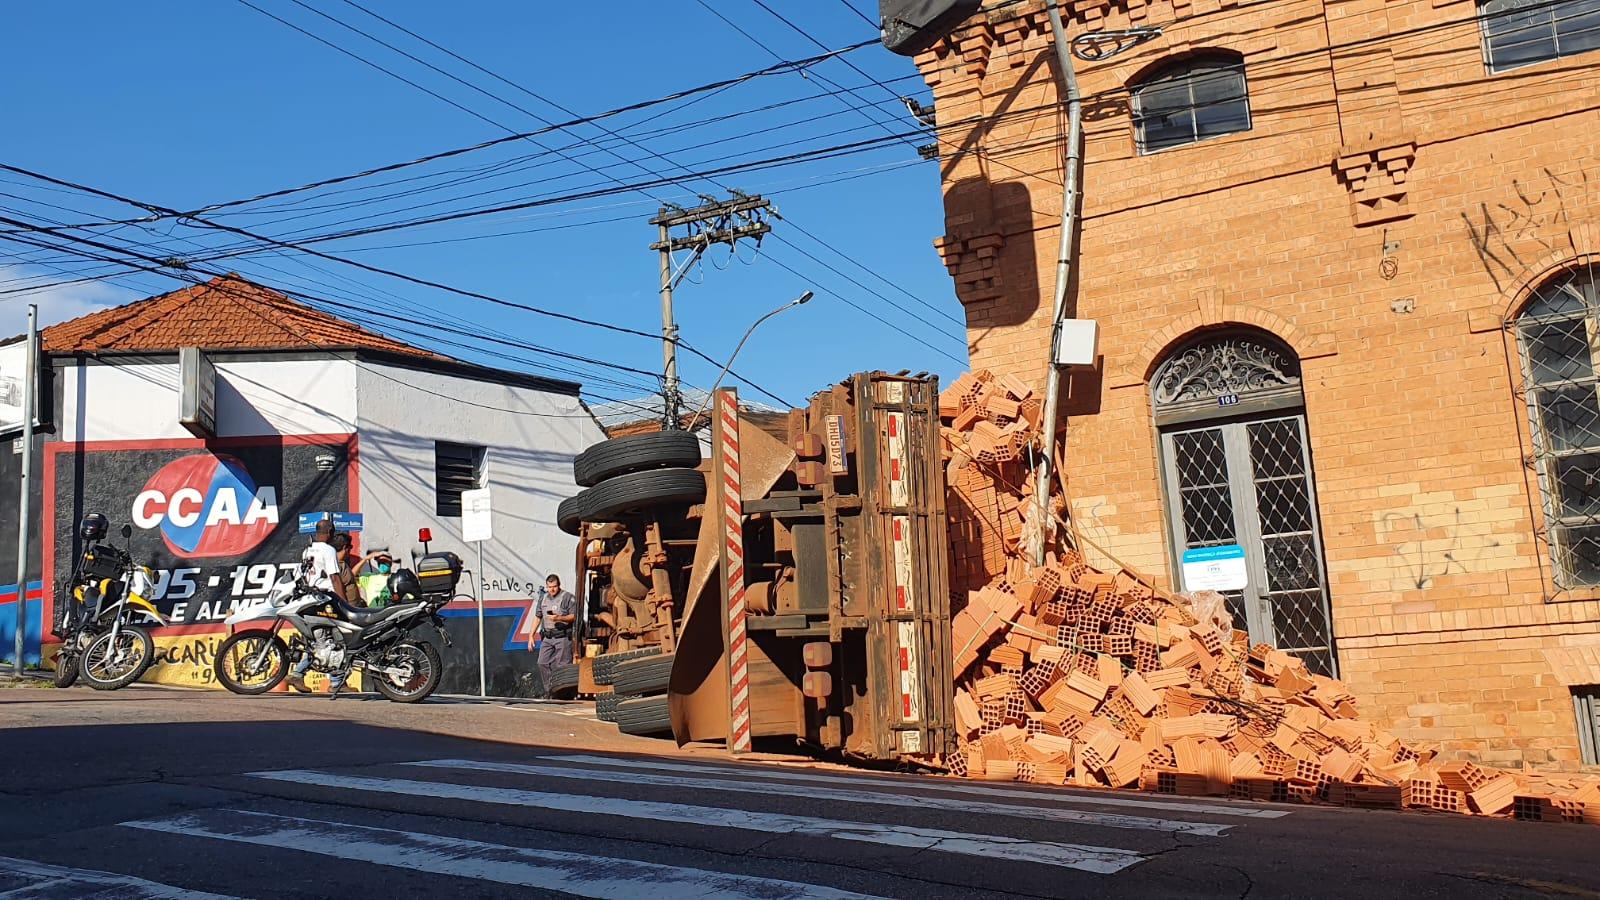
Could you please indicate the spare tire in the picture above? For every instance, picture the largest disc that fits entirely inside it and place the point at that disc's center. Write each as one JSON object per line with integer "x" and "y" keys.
{"x": 605, "y": 665}
{"x": 628, "y": 494}
{"x": 563, "y": 681}
{"x": 646, "y": 675}
{"x": 644, "y": 715}
{"x": 636, "y": 453}
{"x": 605, "y": 706}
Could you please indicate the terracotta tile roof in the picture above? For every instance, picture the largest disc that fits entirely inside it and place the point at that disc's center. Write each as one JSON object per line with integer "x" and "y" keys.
{"x": 225, "y": 313}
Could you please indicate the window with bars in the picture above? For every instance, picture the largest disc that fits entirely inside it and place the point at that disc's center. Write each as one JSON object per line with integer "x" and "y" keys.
{"x": 1520, "y": 33}
{"x": 456, "y": 468}
{"x": 1189, "y": 101}
{"x": 1586, "y": 707}
{"x": 1559, "y": 333}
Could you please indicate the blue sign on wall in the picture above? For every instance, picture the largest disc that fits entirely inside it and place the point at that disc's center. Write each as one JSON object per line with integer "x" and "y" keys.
{"x": 342, "y": 521}
{"x": 1215, "y": 568}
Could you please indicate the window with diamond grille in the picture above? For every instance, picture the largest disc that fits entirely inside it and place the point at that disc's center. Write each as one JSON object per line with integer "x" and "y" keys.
{"x": 1558, "y": 334}
{"x": 1237, "y": 468}
{"x": 1191, "y": 100}
{"x": 1520, "y": 33}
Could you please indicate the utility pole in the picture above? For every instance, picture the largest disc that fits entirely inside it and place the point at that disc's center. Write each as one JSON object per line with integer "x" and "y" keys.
{"x": 713, "y": 222}
{"x": 28, "y": 391}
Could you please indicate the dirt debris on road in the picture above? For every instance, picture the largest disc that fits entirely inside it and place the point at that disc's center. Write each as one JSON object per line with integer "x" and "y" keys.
{"x": 1067, "y": 674}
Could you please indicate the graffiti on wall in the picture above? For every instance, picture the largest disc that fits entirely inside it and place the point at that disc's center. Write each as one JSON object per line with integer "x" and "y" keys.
{"x": 1532, "y": 220}
{"x": 1433, "y": 546}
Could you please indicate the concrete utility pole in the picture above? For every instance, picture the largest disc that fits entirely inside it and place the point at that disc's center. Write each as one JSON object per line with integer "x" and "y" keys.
{"x": 27, "y": 467}
{"x": 1070, "y": 195}
{"x": 713, "y": 222}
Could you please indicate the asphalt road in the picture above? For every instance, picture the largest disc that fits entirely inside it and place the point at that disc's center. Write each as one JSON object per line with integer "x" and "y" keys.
{"x": 155, "y": 793}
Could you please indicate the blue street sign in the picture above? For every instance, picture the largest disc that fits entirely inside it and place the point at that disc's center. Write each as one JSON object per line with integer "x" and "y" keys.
{"x": 342, "y": 521}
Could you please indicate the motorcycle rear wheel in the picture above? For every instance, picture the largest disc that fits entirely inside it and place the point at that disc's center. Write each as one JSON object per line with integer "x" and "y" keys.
{"x": 426, "y": 669}
{"x": 109, "y": 666}
{"x": 242, "y": 647}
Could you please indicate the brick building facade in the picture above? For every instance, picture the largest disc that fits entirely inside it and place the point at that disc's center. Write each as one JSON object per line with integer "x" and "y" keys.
{"x": 1337, "y": 250}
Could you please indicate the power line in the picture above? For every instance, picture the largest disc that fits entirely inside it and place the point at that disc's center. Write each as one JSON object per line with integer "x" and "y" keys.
{"x": 221, "y": 287}
{"x": 777, "y": 68}
{"x": 863, "y": 16}
{"x": 478, "y": 295}
{"x": 630, "y": 142}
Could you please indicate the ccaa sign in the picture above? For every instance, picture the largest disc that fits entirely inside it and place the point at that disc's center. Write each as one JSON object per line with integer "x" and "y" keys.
{"x": 207, "y": 506}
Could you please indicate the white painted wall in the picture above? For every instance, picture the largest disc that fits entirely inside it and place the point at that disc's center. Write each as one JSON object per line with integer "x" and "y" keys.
{"x": 531, "y": 437}
{"x": 141, "y": 402}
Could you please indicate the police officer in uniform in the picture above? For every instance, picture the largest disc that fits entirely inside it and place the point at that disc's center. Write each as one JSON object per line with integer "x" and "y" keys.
{"x": 556, "y": 610}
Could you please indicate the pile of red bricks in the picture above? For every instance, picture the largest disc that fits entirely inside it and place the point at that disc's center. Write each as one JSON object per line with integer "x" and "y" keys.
{"x": 1070, "y": 675}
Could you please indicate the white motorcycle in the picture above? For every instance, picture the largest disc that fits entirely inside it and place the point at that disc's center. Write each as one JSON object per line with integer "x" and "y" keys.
{"x": 340, "y": 638}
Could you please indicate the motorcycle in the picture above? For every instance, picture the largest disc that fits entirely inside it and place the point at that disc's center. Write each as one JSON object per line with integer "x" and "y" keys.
{"x": 104, "y": 614}
{"x": 340, "y": 638}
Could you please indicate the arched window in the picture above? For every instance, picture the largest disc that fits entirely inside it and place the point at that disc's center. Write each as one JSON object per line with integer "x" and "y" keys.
{"x": 1520, "y": 33}
{"x": 1236, "y": 463}
{"x": 1191, "y": 100}
{"x": 1559, "y": 334}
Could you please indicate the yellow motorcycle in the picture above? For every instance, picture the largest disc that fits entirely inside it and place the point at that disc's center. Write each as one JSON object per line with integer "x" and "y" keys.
{"x": 104, "y": 614}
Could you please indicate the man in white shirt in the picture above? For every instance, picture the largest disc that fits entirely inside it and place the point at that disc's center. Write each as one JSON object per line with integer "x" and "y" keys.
{"x": 319, "y": 566}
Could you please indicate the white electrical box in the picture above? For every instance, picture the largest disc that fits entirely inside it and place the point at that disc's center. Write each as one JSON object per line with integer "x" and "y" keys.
{"x": 1079, "y": 343}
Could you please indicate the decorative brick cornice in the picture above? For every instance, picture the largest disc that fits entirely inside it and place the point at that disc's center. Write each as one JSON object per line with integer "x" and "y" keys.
{"x": 1378, "y": 180}
{"x": 974, "y": 264}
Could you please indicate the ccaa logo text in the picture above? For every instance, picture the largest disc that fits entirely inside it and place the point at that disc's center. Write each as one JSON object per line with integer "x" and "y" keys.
{"x": 207, "y": 506}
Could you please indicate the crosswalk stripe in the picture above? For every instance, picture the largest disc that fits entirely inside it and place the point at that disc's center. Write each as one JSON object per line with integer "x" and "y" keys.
{"x": 839, "y": 795}
{"x": 46, "y": 881}
{"x": 1102, "y": 860}
{"x": 930, "y": 784}
{"x": 580, "y": 874}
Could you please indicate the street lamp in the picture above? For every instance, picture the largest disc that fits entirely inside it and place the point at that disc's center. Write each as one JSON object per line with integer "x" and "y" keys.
{"x": 798, "y": 301}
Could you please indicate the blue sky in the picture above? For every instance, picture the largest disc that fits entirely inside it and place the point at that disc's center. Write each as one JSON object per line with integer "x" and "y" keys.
{"x": 190, "y": 103}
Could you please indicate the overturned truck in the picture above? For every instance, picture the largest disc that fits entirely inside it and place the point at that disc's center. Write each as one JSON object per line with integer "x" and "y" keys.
{"x": 792, "y": 584}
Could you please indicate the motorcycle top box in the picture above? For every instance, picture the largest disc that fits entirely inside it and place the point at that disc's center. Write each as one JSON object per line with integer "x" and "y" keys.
{"x": 102, "y": 562}
{"x": 439, "y": 572}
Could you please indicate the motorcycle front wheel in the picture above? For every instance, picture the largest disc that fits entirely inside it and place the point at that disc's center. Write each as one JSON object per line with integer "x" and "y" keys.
{"x": 66, "y": 674}
{"x": 117, "y": 659}
{"x": 419, "y": 660}
{"x": 252, "y": 662}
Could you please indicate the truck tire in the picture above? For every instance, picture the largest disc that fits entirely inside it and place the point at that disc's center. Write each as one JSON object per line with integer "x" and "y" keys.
{"x": 645, "y": 675}
{"x": 632, "y": 493}
{"x": 636, "y": 453}
{"x": 563, "y": 681}
{"x": 605, "y": 705}
{"x": 644, "y": 715}
{"x": 605, "y": 665}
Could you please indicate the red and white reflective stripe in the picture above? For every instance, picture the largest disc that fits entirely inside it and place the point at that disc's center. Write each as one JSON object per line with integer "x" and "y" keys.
{"x": 904, "y": 599}
{"x": 733, "y": 576}
{"x": 910, "y": 697}
{"x": 899, "y": 495}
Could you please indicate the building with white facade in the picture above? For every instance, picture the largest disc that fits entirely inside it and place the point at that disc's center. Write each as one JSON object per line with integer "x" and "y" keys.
{"x": 293, "y": 414}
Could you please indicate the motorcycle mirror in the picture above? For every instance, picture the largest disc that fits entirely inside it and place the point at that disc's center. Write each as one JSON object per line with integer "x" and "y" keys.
{"x": 127, "y": 531}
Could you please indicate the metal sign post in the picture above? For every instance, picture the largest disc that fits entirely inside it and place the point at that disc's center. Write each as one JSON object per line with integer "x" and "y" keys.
{"x": 476, "y": 528}
{"x": 27, "y": 467}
